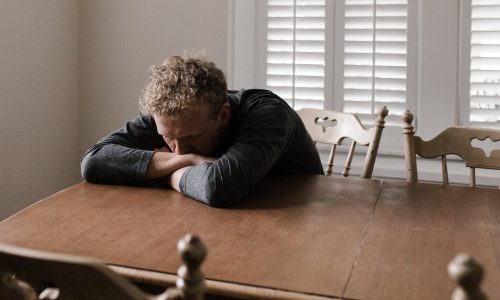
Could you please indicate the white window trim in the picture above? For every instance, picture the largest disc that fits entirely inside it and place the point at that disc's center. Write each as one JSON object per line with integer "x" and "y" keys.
{"x": 243, "y": 31}
{"x": 464, "y": 63}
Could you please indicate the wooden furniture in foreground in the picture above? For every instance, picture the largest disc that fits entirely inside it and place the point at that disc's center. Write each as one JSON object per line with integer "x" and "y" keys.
{"x": 468, "y": 273}
{"x": 332, "y": 127}
{"x": 295, "y": 237}
{"x": 451, "y": 141}
{"x": 27, "y": 274}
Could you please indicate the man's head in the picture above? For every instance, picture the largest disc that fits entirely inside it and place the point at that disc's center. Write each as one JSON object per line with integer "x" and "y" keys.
{"x": 187, "y": 98}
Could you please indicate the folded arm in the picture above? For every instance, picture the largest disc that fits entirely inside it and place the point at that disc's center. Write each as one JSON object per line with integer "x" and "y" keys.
{"x": 133, "y": 154}
{"x": 163, "y": 163}
{"x": 260, "y": 143}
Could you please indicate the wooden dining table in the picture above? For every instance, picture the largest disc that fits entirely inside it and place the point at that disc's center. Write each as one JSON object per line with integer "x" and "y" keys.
{"x": 295, "y": 237}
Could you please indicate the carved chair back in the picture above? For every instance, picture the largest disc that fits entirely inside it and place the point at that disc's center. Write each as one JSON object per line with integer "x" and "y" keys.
{"x": 332, "y": 127}
{"x": 452, "y": 141}
{"x": 27, "y": 274}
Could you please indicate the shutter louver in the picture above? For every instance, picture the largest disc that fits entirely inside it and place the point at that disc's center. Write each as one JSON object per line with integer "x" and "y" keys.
{"x": 485, "y": 63}
{"x": 295, "y": 65}
{"x": 375, "y": 43}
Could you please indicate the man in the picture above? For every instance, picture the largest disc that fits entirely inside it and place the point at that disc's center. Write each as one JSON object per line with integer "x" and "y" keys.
{"x": 208, "y": 143}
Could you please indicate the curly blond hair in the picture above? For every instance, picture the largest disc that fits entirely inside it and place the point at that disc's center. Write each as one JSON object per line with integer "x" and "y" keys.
{"x": 181, "y": 83}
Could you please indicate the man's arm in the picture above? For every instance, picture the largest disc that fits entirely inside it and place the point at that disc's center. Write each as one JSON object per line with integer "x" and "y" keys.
{"x": 174, "y": 179}
{"x": 130, "y": 155}
{"x": 261, "y": 142}
{"x": 164, "y": 163}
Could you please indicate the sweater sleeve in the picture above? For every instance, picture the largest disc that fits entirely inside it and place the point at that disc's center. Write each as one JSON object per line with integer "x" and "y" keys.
{"x": 260, "y": 142}
{"x": 123, "y": 156}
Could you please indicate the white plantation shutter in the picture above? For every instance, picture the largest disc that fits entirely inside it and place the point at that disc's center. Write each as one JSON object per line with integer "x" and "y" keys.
{"x": 485, "y": 63}
{"x": 295, "y": 54}
{"x": 375, "y": 56}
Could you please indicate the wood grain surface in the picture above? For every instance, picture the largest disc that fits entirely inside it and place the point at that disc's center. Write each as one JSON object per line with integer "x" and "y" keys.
{"x": 416, "y": 231}
{"x": 295, "y": 233}
{"x": 296, "y": 236}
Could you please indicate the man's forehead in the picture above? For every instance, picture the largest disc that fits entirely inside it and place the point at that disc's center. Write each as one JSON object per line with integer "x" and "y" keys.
{"x": 179, "y": 126}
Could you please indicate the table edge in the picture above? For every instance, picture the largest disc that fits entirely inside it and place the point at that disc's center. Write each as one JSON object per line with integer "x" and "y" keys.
{"x": 214, "y": 286}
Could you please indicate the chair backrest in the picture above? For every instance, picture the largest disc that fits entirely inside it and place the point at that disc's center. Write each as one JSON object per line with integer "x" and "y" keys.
{"x": 332, "y": 127}
{"x": 27, "y": 274}
{"x": 452, "y": 141}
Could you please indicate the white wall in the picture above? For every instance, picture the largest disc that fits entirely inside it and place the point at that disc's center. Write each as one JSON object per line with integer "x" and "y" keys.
{"x": 38, "y": 100}
{"x": 71, "y": 71}
{"x": 438, "y": 66}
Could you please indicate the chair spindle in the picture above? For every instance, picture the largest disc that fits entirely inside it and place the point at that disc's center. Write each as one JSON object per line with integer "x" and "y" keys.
{"x": 444, "y": 170}
{"x": 348, "y": 161}
{"x": 472, "y": 176}
{"x": 329, "y": 167}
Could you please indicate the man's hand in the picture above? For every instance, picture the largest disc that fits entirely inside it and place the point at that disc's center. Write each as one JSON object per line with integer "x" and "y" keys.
{"x": 163, "y": 162}
{"x": 174, "y": 178}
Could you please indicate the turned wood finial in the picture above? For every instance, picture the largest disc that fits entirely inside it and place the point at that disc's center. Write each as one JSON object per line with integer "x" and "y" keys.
{"x": 382, "y": 113}
{"x": 191, "y": 279}
{"x": 13, "y": 288}
{"x": 407, "y": 118}
{"x": 468, "y": 273}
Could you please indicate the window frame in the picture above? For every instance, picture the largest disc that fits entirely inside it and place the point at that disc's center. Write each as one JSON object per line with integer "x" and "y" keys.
{"x": 334, "y": 64}
{"x": 464, "y": 84}
{"x": 464, "y": 63}
{"x": 435, "y": 76}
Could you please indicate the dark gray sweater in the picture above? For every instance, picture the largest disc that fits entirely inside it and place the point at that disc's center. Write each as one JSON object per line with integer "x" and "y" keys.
{"x": 265, "y": 136}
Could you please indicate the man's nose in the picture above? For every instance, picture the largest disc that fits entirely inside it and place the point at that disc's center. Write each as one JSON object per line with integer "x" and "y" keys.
{"x": 180, "y": 147}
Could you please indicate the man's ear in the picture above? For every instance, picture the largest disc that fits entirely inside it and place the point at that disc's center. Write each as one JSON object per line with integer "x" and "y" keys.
{"x": 225, "y": 113}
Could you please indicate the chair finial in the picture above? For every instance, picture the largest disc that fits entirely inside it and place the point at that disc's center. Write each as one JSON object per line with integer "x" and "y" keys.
{"x": 191, "y": 280}
{"x": 468, "y": 273}
{"x": 14, "y": 288}
{"x": 382, "y": 112}
{"x": 407, "y": 117}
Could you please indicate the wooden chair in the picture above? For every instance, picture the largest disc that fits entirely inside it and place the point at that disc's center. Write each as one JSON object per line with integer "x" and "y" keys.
{"x": 451, "y": 141}
{"x": 332, "y": 127}
{"x": 27, "y": 274}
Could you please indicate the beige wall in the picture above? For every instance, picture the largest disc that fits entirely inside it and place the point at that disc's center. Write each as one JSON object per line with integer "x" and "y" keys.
{"x": 71, "y": 71}
{"x": 38, "y": 100}
{"x": 119, "y": 40}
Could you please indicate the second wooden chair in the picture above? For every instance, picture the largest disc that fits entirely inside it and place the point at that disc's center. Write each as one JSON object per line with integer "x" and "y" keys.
{"x": 332, "y": 127}
{"x": 451, "y": 141}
